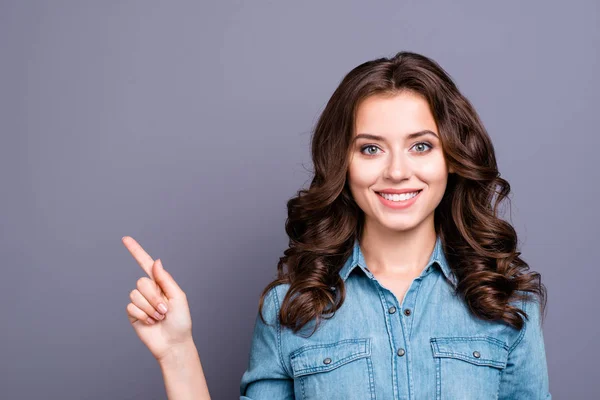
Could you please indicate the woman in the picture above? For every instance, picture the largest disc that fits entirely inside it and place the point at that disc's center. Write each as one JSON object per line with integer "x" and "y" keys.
{"x": 400, "y": 280}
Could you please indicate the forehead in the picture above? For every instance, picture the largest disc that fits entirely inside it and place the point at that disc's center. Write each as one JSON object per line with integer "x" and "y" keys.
{"x": 401, "y": 113}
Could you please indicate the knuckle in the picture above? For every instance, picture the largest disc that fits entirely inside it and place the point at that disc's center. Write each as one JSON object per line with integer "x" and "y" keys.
{"x": 133, "y": 294}
{"x": 154, "y": 303}
{"x": 140, "y": 282}
{"x": 131, "y": 309}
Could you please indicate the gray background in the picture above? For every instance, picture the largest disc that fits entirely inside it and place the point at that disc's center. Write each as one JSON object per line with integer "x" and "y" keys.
{"x": 186, "y": 125}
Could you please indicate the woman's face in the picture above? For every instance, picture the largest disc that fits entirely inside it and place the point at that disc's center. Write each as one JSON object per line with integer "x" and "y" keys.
{"x": 394, "y": 161}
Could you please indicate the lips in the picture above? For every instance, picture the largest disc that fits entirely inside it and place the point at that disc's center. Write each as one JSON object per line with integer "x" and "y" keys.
{"x": 403, "y": 192}
{"x": 401, "y": 204}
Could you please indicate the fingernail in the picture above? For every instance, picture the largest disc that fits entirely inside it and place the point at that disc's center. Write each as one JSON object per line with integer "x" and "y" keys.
{"x": 150, "y": 321}
{"x": 157, "y": 315}
{"x": 162, "y": 308}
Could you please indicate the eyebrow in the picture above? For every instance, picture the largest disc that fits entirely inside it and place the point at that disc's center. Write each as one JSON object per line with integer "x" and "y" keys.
{"x": 382, "y": 139}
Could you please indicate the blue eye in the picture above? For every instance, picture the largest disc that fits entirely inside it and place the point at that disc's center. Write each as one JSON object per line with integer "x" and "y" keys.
{"x": 426, "y": 144}
{"x": 366, "y": 147}
{"x": 371, "y": 146}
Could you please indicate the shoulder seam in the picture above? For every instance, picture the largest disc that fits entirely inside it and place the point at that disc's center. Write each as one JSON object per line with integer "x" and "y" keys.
{"x": 522, "y": 333}
{"x": 277, "y": 309}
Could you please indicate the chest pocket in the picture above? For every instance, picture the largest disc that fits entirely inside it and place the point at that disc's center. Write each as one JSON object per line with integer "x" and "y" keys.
{"x": 337, "y": 370}
{"x": 468, "y": 367}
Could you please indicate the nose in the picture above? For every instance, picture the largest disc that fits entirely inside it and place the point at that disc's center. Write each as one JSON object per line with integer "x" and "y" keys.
{"x": 398, "y": 168}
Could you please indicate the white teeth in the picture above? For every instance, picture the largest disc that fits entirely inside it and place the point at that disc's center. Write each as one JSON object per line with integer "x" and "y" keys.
{"x": 398, "y": 197}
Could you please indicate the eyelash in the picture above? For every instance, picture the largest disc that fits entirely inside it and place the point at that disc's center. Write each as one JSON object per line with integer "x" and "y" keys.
{"x": 372, "y": 145}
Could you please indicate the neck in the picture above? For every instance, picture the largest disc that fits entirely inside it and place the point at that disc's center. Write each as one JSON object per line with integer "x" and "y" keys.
{"x": 398, "y": 253}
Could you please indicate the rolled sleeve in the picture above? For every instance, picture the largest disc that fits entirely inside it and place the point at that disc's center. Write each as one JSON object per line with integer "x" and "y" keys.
{"x": 526, "y": 372}
{"x": 266, "y": 376}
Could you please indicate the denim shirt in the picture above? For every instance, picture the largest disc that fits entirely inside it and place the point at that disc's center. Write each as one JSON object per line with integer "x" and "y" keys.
{"x": 428, "y": 347}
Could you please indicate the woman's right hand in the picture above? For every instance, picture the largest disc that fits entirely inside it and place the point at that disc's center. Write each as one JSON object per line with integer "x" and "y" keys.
{"x": 163, "y": 331}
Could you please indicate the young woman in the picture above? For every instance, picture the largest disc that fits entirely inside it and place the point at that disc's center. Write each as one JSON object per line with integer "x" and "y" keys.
{"x": 401, "y": 281}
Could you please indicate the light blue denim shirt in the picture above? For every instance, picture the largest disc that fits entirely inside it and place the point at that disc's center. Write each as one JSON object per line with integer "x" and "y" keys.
{"x": 428, "y": 347}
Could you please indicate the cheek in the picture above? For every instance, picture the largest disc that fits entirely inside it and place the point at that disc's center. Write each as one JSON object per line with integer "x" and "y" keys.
{"x": 434, "y": 172}
{"x": 362, "y": 175}
{"x": 361, "y": 178}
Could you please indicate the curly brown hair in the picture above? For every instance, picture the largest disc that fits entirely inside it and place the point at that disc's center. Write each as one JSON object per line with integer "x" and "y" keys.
{"x": 324, "y": 220}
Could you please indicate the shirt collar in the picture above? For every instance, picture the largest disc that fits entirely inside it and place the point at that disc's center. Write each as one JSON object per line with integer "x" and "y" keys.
{"x": 437, "y": 257}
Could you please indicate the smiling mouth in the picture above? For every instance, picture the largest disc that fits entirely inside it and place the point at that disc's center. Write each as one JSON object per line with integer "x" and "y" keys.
{"x": 399, "y": 197}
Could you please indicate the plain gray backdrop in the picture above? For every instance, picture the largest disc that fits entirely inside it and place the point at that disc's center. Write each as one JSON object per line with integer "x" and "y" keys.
{"x": 186, "y": 124}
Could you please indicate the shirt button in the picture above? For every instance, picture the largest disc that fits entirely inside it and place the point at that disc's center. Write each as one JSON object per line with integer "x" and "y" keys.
{"x": 327, "y": 361}
{"x": 476, "y": 354}
{"x": 407, "y": 312}
{"x": 400, "y": 352}
{"x": 392, "y": 309}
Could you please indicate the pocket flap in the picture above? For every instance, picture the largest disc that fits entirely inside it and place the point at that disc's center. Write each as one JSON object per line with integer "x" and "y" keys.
{"x": 482, "y": 350}
{"x": 325, "y": 357}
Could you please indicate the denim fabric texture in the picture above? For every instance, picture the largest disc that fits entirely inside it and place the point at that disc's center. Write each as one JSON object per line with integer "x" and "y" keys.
{"x": 429, "y": 347}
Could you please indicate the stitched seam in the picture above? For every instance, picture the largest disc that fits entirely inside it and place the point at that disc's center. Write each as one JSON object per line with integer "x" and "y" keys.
{"x": 414, "y": 308}
{"x": 501, "y": 374}
{"x": 493, "y": 362}
{"x": 489, "y": 339}
{"x": 438, "y": 375}
{"x": 479, "y": 361}
{"x": 388, "y": 326}
{"x": 279, "y": 332}
{"x": 331, "y": 366}
{"x": 362, "y": 341}
{"x": 364, "y": 352}
{"x": 370, "y": 374}
{"x": 521, "y": 334}
{"x": 517, "y": 341}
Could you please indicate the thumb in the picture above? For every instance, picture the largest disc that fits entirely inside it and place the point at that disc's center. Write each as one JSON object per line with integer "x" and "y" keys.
{"x": 166, "y": 282}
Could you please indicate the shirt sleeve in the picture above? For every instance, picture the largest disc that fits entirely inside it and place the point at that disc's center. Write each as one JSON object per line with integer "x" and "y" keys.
{"x": 526, "y": 372}
{"x": 266, "y": 376}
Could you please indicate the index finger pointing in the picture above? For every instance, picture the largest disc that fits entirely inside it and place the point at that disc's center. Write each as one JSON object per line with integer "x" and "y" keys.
{"x": 140, "y": 255}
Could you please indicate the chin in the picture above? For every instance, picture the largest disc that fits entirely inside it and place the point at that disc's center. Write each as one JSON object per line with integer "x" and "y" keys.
{"x": 400, "y": 226}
